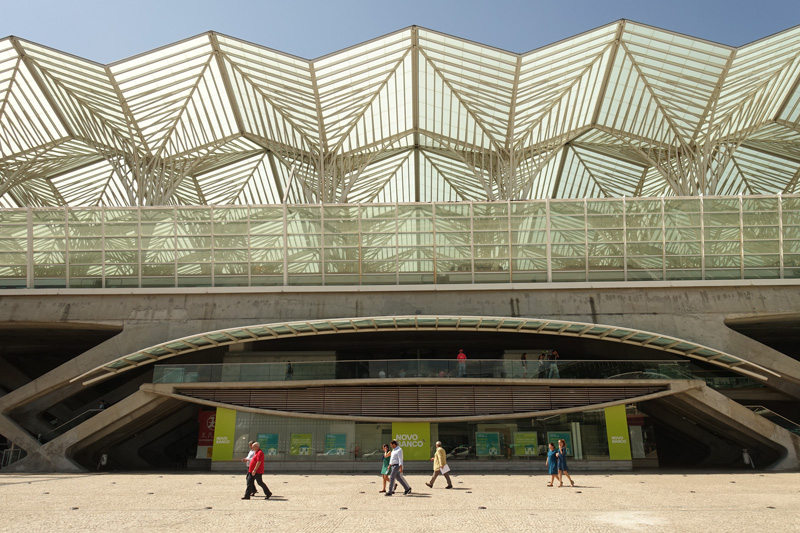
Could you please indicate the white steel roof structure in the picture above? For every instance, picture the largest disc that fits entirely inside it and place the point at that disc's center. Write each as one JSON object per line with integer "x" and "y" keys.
{"x": 414, "y": 116}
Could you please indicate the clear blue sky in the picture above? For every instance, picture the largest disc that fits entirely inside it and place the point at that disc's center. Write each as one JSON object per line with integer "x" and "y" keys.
{"x": 110, "y": 30}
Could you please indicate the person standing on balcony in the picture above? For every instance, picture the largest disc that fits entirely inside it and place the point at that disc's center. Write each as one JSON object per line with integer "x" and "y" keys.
{"x": 553, "y": 371}
{"x": 462, "y": 363}
{"x": 524, "y": 361}
{"x": 440, "y": 466}
{"x": 289, "y": 371}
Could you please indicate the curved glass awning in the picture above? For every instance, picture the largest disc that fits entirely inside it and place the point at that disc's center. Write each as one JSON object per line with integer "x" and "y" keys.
{"x": 265, "y": 332}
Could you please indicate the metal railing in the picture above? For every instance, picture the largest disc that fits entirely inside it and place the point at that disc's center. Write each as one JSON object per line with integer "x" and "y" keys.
{"x": 446, "y": 368}
{"x": 775, "y": 418}
{"x": 66, "y": 426}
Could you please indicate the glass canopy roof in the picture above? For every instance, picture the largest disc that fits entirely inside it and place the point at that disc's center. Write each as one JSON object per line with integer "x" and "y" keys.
{"x": 414, "y": 116}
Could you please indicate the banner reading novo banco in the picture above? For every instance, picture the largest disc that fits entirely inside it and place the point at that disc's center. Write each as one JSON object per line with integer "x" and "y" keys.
{"x": 415, "y": 439}
{"x": 619, "y": 446}
{"x": 224, "y": 429}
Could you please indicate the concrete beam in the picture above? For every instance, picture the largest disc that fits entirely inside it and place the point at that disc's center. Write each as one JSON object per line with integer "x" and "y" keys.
{"x": 57, "y": 454}
{"x": 743, "y": 420}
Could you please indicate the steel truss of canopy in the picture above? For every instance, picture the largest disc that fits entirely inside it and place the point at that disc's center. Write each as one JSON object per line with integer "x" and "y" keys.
{"x": 265, "y": 332}
{"x": 413, "y": 116}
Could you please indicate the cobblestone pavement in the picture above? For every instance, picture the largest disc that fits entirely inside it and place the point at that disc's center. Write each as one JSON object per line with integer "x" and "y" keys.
{"x": 210, "y": 502}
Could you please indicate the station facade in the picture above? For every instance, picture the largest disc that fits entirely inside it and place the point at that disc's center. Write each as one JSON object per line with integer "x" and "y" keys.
{"x": 215, "y": 242}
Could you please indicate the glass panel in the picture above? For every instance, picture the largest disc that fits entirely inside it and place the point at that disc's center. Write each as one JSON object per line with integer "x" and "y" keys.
{"x": 643, "y": 221}
{"x": 566, "y": 208}
{"x": 121, "y": 230}
{"x": 643, "y": 206}
{"x": 720, "y": 205}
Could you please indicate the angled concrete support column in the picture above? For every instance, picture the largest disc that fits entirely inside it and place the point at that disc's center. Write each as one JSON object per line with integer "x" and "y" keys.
{"x": 57, "y": 455}
{"x": 58, "y": 379}
{"x": 746, "y": 421}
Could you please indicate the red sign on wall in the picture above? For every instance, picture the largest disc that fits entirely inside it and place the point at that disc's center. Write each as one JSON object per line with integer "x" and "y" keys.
{"x": 205, "y": 437}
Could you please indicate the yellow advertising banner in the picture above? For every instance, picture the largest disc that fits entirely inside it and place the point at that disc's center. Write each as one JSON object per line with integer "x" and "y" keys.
{"x": 301, "y": 444}
{"x": 415, "y": 439}
{"x": 619, "y": 445}
{"x": 224, "y": 430}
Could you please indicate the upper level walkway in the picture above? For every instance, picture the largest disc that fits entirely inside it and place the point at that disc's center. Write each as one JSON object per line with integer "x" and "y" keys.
{"x": 419, "y": 370}
{"x": 585, "y": 240}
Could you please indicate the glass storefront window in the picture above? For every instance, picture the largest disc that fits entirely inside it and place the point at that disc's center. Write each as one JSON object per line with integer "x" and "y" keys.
{"x": 288, "y": 439}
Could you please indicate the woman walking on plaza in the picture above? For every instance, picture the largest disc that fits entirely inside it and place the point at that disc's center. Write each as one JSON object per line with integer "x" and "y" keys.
{"x": 385, "y": 470}
{"x": 562, "y": 463}
{"x": 552, "y": 463}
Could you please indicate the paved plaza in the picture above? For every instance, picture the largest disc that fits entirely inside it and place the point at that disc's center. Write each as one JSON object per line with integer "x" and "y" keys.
{"x": 689, "y": 501}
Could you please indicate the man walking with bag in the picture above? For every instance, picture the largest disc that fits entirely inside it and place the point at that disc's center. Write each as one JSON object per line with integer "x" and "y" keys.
{"x": 440, "y": 466}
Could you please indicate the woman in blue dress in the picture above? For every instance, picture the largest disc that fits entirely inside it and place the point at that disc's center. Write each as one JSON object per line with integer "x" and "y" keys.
{"x": 552, "y": 463}
{"x": 562, "y": 463}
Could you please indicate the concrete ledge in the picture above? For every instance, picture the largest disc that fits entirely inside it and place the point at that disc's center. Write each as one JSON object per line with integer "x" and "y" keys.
{"x": 448, "y": 287}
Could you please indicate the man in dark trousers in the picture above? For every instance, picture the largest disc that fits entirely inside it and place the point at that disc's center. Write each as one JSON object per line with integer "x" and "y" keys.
{"x": 256, "y": 471}
{"x": 396, "y": 470}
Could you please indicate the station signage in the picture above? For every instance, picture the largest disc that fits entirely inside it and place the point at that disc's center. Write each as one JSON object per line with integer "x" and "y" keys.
{"x": 415, "y": 439}
{"x": 619, "y": 444}
{"x": 487, "y": 443}
{"x": 526, "y": 443}
{"x": 300, "y": 444}
{"x": 224, "y": 430}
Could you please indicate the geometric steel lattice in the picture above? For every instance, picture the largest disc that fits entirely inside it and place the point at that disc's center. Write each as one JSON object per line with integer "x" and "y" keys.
{"x": 414, "y": 116}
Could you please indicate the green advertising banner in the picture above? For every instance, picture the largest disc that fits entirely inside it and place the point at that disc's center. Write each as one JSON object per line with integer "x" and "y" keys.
{"x": 487, "y": 444}
{"x": 526, "y": 443}
{"x": 619, "y": 446}
{"x": 554, "y": 436}
{"x": 301, "y": 444}
{"x": 335, "y": 444}
{"x": 224, "y": 430}
{"x": 415, "y": 439}
{"x": 268, "y": 443}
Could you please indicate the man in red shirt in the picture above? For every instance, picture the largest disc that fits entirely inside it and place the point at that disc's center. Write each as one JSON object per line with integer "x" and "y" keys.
{"x": 462, "y": 363}
{"x": 256, "y": 470}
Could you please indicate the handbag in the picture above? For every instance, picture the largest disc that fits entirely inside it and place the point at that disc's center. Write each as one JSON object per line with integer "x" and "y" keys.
{"x": 445, "y": 469}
